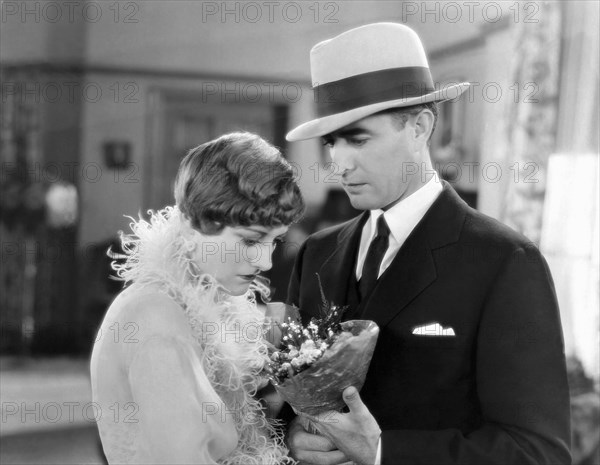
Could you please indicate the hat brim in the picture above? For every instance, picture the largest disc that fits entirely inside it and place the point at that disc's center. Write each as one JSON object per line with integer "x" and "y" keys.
{"x": 327, "y": 124}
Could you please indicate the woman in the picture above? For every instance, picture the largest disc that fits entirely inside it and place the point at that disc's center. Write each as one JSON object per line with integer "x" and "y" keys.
{"x": 178, "y": 358}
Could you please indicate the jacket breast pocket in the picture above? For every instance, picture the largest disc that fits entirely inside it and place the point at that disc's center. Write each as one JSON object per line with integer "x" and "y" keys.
{"x": 434, "y": 360}
{"x": 431, "y": 342}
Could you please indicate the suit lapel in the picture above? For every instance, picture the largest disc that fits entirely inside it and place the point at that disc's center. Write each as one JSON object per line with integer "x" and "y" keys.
{"x": 413, "y": 269}
{"x": 335, "y": 272}
{"x": 410, "y": 273}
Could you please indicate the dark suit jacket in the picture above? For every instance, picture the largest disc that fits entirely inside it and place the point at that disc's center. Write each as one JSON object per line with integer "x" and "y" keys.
{"x": 497, "y": 392}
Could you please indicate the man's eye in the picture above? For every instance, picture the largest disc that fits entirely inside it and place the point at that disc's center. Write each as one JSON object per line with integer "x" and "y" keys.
{"x": 358, "y": 142}
{"x": 250, "y": 242}
{"x": 327, "y": 142}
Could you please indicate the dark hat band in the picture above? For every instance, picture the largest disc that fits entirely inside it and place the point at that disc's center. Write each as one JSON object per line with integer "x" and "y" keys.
{"x": 374, "y": 87}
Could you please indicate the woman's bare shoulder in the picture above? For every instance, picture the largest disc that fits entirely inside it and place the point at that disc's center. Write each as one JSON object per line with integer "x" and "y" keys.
{"x": 148, "y": 311}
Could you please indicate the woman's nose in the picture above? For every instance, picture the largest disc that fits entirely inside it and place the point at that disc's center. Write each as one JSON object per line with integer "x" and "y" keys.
{"x": 264, "y": 260}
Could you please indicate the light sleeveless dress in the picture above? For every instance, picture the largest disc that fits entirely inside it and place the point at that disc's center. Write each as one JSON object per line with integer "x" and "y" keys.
{"x": 177, "y": 362}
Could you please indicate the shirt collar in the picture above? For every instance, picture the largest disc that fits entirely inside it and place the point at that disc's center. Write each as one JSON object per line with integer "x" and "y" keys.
{"x": 409, "y": 211}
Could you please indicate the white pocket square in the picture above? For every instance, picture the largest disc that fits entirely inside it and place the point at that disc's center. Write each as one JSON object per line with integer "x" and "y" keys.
{"x": 433, "y": 329}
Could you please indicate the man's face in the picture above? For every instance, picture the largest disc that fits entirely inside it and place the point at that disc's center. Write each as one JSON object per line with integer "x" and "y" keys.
{"x": 375, "y": 158}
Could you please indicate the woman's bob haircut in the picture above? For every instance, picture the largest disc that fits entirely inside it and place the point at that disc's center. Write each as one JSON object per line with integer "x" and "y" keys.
{"x": 238, "y": 179}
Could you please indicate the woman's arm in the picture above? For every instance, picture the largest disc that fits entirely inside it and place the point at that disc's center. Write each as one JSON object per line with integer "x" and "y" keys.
{"x": 181, "y": 417}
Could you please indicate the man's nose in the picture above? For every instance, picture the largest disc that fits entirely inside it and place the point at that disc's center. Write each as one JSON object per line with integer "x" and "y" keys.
{"x": 341, "y": 156}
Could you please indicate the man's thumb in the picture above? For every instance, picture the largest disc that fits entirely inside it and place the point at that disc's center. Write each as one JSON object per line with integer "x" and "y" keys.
{"x": 352, "y": 399}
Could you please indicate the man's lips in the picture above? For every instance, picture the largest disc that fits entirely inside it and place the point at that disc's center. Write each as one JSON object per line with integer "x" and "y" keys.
{"x": 353, "y": 184}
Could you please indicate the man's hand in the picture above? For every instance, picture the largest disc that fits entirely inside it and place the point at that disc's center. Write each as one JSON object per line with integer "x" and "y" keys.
{"x": 312, "y": 449}
{"x": 355, "y": 433}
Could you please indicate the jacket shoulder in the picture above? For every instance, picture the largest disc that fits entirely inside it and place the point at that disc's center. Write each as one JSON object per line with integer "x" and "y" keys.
{"x": 483, "y": 229}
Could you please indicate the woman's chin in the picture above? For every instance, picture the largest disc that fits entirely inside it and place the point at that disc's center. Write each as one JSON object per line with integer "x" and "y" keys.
{"x": 237, "y": 289}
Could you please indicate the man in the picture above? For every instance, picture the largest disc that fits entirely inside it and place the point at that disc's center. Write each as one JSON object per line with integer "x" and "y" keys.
{"x": 469, "y": 367}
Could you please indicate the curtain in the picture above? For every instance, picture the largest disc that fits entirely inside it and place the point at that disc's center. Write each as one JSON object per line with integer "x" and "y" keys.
{"x": 532, "y": 118}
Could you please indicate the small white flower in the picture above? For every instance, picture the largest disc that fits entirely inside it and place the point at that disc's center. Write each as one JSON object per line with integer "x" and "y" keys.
{"x": 307, "y": 345}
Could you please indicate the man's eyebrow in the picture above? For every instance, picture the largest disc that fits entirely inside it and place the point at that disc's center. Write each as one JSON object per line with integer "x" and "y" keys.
{"x": 353, "y": 131}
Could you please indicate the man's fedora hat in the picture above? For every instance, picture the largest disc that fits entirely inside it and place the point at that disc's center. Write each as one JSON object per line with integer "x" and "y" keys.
{"x": 366, "y": 70}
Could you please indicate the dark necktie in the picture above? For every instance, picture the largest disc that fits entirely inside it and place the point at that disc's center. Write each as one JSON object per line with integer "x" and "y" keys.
{"x": 375, "y": 254}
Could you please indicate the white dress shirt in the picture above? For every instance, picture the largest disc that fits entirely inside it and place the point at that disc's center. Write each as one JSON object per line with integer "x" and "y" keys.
{"x": 402, "y": 218}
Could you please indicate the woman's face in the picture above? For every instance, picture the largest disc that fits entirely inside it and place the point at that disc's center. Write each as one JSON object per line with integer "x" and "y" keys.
{"x": 237, "y": 254}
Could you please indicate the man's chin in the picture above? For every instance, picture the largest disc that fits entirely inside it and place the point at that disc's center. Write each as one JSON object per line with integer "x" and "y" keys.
{"x": 362, "y": 203}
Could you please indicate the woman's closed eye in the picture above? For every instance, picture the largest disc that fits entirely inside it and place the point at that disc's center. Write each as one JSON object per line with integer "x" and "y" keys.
{"x": 250, "y": 242}
{"x": 253, "y": 242}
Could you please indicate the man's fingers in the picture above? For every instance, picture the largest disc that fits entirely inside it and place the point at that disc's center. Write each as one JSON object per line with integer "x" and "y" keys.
{"x": 353, "y": 400}
{"x": 335, "y": 457}
{"x": 313, "y": 442}
{"x": 298, "y": 439}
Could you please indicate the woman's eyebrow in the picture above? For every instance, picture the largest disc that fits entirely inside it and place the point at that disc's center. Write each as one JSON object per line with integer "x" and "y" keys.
{"x": 253, "y": 230}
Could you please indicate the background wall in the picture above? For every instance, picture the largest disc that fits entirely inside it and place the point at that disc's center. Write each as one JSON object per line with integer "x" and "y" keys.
{"x": 155, "y": 78}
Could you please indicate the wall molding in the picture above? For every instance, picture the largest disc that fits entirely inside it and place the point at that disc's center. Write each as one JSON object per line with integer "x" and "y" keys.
{"x": 77, "y": 68}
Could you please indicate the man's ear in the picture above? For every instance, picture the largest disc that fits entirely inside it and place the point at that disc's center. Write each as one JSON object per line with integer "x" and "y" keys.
{"x": 423, "y": 126}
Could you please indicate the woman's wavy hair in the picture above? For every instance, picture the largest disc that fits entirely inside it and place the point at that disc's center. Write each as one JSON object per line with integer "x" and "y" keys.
{"x": 238, "y": 179}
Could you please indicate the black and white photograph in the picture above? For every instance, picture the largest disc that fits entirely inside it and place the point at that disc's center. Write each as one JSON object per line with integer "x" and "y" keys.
{"x": 353, "y": 232}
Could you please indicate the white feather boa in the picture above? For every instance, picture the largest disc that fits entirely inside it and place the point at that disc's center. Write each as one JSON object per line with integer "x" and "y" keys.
{"x": 228, "y": 329}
